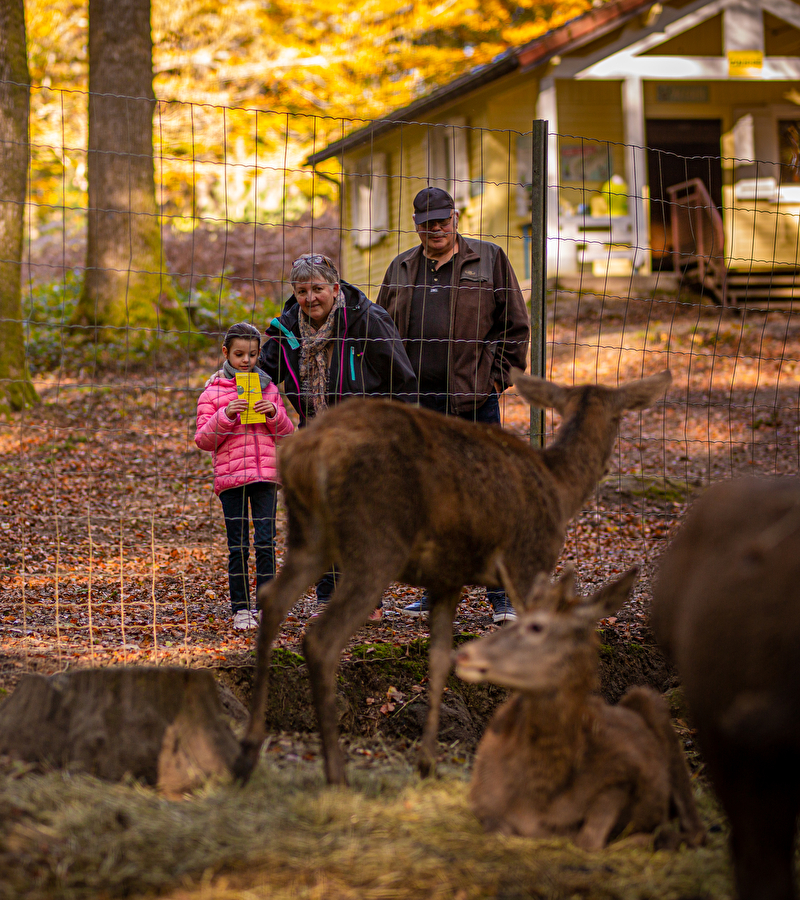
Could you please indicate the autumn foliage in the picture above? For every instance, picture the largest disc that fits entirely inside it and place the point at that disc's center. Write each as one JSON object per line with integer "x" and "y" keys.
{"x": 262, "y": 83}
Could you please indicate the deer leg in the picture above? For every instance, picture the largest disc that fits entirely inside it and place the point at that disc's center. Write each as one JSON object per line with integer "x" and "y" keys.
{"x": 356, "y": 595}
{"x": 762, "y": 841}
{"x": 275, "y": 599}
{"x": 442, "y": 613}
{"x": 601, "y": 817}
{"x": 761, "y": 797}
{"x": 652, "y": 708}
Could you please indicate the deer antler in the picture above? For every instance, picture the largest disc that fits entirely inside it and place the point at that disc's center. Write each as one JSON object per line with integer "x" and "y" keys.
{"x": 508, "y": 584}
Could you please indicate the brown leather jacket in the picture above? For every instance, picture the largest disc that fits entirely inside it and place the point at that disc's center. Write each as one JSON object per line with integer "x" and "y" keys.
{"x": 489, "y": 324}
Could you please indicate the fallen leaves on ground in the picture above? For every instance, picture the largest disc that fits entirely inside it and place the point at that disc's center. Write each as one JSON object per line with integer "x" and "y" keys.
{"x": 112, "y": 544}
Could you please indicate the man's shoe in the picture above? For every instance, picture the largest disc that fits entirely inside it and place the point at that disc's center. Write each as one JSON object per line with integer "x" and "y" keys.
{"x": 502, "y": 611}
{"x": 321, "y": 605}
{"x": 417, "y": 608}
{"x": 245, "y": 620}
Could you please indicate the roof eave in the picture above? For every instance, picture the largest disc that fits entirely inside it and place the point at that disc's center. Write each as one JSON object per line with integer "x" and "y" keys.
{"x": 579, "y": 31}
{"x": 411, "y": 113}
{"x": 570, "y": 36}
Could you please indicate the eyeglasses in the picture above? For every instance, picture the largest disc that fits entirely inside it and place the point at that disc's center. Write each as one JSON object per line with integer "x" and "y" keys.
{"x": 316, "y": 259}
{"x": 433, "y": 223}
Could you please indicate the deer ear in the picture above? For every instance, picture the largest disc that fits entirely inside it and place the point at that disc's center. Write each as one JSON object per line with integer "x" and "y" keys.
{"x": 565, "y": 587}
{"x": 539, "y": 392}
{"x": 644, "y": 392}
{"x": 610, "y": 597}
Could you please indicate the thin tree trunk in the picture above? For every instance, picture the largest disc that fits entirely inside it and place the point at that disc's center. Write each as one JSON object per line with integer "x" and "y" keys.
{"x": 16, "y": 389}
{"x": 125, "y": 283}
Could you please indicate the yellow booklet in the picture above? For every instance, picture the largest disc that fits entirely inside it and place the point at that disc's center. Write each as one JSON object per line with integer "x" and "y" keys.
{"x": 248, "y": 387}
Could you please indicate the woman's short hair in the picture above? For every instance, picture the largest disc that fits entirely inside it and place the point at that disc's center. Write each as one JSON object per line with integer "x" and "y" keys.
{"x": 312, "y": 267}
{"x": 240, "y": 330}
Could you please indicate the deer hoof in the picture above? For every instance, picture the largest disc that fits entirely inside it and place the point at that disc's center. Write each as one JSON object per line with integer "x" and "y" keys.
{"x": 425, "y": 765}
{"x": 246, "y": 761}
{"x": 336, "y": 776}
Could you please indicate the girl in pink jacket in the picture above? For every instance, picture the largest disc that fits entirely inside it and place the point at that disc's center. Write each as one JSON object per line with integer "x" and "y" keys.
{"x": 245, "y": 464}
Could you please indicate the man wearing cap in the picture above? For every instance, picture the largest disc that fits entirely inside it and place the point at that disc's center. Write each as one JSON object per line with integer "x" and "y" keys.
{"x": 460, "y": 312}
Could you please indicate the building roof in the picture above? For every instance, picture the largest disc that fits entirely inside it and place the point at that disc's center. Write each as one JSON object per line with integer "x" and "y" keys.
{"x": 573, "y": 34}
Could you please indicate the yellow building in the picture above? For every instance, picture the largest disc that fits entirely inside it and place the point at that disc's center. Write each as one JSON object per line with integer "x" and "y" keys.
{"x": 711, "y": 88}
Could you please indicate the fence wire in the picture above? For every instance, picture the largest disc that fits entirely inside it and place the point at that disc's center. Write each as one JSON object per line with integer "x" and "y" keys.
{"x": 112, "y": 543}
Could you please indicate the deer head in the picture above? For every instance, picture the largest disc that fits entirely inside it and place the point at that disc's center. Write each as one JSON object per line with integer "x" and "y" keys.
{"x": 551, "y": 643}
{"x": 632, "y": 396}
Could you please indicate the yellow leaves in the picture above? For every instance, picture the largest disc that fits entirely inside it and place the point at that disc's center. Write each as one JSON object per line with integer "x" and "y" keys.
{"x": 290, "y": 60}
{"x": 302, "y": 57}
{"x": 525, "y": 33}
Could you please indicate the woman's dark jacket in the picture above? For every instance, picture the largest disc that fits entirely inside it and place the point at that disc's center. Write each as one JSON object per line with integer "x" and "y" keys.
{"x": 368, "y": 355}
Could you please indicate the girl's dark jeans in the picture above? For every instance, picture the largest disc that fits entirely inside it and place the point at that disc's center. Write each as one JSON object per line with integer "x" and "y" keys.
{"x": 262, "y": 497}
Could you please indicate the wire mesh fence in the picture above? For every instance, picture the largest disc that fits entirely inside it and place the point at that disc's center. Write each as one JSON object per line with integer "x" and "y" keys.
{"x": 112, "y": 542}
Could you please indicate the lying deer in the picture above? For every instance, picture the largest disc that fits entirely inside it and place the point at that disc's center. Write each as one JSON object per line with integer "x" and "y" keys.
{"x": 726, "y": 609}
{"x": 389, "y": 492}
{"x": 556, "y": 759}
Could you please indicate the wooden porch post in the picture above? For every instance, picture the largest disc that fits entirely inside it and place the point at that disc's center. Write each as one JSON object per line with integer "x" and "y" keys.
{"x": 636, "y": 168}
{"x": 547, "y": 110}
{"x": 539, "y": 231}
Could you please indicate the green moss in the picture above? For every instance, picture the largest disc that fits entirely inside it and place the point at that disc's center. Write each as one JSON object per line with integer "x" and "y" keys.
{"x": 678, "y": 708}
{"x": 286, "y": 658}
{"x": 390, "y": 661}
{"x": 16, "y": 389}
{"x": 655, "y": 489}
{"x": 417, "y": 649}
{"x": 377, "y": 651}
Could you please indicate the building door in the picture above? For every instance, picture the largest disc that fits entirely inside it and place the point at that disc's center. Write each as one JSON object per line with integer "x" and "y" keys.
{"x": 679, "y": 150}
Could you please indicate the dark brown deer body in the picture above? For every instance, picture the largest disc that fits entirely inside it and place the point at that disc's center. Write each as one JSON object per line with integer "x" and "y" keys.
{"x": 727, "y": 610}
{"x": 556, "y": 759}
{"x": 389, "y": 492}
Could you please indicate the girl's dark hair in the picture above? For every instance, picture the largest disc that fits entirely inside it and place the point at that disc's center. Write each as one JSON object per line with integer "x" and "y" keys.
{"x": 241, "y": 330}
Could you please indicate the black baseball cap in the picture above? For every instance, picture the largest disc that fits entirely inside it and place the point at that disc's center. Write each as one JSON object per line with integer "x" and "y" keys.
{"x": 432, "y": 203}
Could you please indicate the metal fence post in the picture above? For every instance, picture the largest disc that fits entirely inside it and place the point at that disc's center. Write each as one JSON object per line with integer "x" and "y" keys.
{"x": 538, "y": 267}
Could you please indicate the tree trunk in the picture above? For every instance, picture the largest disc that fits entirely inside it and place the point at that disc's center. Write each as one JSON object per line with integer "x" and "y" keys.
{"x": 125, "y": 284}
{"x": 15, "y": 386}
{"x": 161, "y": 725}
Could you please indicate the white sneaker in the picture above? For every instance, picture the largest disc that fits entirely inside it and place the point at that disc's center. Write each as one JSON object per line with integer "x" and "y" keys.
{"x": 245, "y": 619}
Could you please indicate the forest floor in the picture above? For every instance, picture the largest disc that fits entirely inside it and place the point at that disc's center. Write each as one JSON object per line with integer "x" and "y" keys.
{"x": 112, "y": 543}
{"x": 112, "y": 551}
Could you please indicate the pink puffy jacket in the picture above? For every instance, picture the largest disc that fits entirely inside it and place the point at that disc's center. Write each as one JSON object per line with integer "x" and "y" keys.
{"x": 242, "y": 453}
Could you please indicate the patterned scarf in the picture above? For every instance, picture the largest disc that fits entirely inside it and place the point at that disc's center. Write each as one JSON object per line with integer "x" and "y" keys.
{"x": 314, "y": 367}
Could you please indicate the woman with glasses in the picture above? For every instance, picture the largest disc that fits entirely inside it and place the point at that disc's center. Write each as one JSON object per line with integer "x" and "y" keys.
{"x": 330, "y": 343}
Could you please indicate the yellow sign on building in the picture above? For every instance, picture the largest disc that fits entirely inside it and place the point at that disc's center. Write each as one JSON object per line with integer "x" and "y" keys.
{"x": 745, "y": 63}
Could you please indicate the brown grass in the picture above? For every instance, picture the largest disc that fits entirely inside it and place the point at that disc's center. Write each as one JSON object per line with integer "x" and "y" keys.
{"x": 389, "y": 837}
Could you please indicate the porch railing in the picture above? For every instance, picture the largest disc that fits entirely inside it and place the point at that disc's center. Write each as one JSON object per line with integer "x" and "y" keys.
{"x": 698, "y": 237}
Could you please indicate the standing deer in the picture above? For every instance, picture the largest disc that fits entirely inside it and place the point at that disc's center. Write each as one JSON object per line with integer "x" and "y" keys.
{"x": 389, "y": 492}
{"x": 726, "y": 609}
{"x": 556, "y": 759}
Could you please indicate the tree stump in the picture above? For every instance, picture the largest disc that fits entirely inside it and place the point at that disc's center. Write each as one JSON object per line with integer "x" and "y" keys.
{"x": 163, "y": 726}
